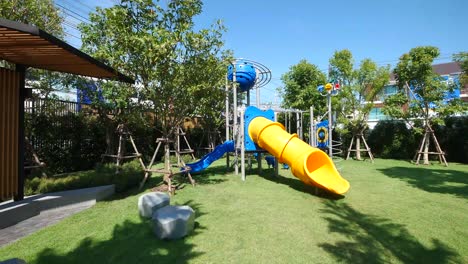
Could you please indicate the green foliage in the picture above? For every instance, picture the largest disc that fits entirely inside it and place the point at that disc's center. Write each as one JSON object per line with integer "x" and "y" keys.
{"x": 462, "y": 58}
{"x": 392, "y": 140}
{"x": 415, "y": 70}
{"x": 66, "y": 142}
{"x": 300, "y": 87}
{"x": 178, "y": 70}
{"x": 360, "y": 88}
{"x": 341, "y": 67}
{"x": 129, "y": 176}
{"x": 453, "y": 138}
{"x": 42, "y": 14}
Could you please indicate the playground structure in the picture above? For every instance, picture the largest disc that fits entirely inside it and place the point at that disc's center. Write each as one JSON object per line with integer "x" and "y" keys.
{"x": 255, "y": 131}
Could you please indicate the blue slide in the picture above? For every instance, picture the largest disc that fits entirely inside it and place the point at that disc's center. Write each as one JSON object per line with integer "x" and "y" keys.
{"x": 209, "y": 158}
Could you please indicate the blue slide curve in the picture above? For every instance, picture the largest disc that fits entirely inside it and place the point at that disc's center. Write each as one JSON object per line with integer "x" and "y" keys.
{"x": 209, "y": 158}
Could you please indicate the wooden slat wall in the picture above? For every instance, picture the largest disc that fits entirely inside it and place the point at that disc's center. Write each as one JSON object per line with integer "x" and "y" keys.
{"x": 9, "y": 98}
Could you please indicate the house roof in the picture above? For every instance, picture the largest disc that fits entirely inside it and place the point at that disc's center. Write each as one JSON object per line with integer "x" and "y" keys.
{"x": 30, "y": 46}
{"x": 447, "y": 68}
{"x": 440, "y": 69}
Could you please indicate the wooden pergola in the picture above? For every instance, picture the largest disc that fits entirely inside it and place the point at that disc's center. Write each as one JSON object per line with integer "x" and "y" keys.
{"x": 27, "y": 46}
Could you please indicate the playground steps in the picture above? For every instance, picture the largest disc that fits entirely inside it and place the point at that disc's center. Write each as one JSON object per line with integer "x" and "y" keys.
{"x": 12, "y": 212}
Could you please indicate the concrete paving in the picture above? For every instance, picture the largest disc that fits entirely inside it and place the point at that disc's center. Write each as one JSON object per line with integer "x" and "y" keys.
{"x": 19, "y": 219}
{"x": 44, "y": 219}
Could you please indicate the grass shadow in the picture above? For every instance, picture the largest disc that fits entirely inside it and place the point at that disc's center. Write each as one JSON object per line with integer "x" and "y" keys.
{"x": 131, "y": 242}
{"x": 432, "y": 180}
{"x": 210, "y": 175}
{"x": 372, "y": 239}
{"x": 298, "y": 185}
{"x": 150, "y": 183}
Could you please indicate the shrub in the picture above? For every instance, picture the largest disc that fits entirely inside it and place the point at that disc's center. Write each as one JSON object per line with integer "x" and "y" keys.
{"x": 130, "y": 176}
{"x": 392, "y": 140}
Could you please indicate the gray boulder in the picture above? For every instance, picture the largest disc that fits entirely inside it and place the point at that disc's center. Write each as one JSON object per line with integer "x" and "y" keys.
{"x": 173, "y": 222}
{"x": 148, "y": 203}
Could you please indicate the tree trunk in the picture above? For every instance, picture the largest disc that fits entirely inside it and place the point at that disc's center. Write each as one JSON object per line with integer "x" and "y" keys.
{"x": 426, "y": 148}
{"x": 358, "y": 147}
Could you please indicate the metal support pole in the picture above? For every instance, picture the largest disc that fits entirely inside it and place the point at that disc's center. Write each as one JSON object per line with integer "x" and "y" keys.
{"x": 276, "y": 167}
{"x": 298, "y": 126}
{"x": 235, "y": 130}
{"x": 311, "y": 129}
{"x": 258, "y": 97}
{"x": 248, "y": 97}
{"x": 259, "y": 162}
{"x": 227, "y": 120}
{"x": 242, "y": 145}
{"x": 330, "y": 141}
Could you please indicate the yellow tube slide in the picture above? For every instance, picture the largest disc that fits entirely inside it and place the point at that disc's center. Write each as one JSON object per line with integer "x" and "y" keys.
{"x": 311, "y": 165}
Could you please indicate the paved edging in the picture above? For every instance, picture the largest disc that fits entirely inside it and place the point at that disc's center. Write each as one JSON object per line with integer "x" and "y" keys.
{"x": 14, "y": 212}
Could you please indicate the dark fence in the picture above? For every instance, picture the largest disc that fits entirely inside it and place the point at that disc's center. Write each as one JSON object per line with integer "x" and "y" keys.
{"x": 63, "y": 137}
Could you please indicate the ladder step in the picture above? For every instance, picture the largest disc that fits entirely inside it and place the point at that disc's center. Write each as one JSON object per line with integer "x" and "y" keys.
{"x": 32, "y": 167}
{"x": 184, "y": 151}
{"x": 434, "y": 153}
{"x": 158, "y": 170}
{"x": 122, "y": 157}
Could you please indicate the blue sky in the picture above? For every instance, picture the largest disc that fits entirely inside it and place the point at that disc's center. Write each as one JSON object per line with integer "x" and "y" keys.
{"x": 279, "y": 34}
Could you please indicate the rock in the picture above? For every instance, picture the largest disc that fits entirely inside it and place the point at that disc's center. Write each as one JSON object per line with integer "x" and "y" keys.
{"x": 148, "y": 203}
{"x": 173, "y": 222}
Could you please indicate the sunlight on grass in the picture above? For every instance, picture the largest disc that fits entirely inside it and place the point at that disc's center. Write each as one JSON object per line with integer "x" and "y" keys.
{"x": 395, "y": 212}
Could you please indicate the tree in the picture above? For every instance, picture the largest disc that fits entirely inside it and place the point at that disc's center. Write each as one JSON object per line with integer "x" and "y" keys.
{"x": 300, "y": 87}
{"x": 44, "y": 15}
{"x": 422, "y": 95}
{"x": 178, "y": 70}
{"x": 462, "y": 58}
{"x": 360, "y": 89}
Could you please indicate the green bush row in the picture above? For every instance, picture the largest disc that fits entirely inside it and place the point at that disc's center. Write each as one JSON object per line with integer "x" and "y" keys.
{"x": 392, "y": 139}
{"x": 129, "y": 176}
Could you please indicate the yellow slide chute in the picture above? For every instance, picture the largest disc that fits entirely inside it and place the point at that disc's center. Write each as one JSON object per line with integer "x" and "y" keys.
{"x": 311, "y": 165}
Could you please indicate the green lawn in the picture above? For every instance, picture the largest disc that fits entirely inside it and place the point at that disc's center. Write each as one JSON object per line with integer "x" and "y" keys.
{"x": 395, "y": 212}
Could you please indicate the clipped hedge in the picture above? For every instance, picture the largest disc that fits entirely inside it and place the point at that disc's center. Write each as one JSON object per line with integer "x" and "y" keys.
{"x": 130, "y": 176}
{"x": 391, "y": 139}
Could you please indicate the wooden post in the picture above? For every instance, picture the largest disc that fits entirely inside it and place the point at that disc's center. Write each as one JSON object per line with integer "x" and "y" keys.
{"x": 21, "y": 69}
{"x": 350, "y": 147}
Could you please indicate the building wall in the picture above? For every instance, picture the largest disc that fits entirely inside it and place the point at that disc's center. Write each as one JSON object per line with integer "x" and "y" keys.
{"x": 449, "y": 71}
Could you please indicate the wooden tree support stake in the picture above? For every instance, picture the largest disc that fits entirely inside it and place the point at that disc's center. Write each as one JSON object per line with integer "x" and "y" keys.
{"x": 358, "y": 147}
{"x": 35, "y": 162}
{"x": 167, "y": 171}
{"x": 124, "y": 135}
{"x": 424, "y": 147}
